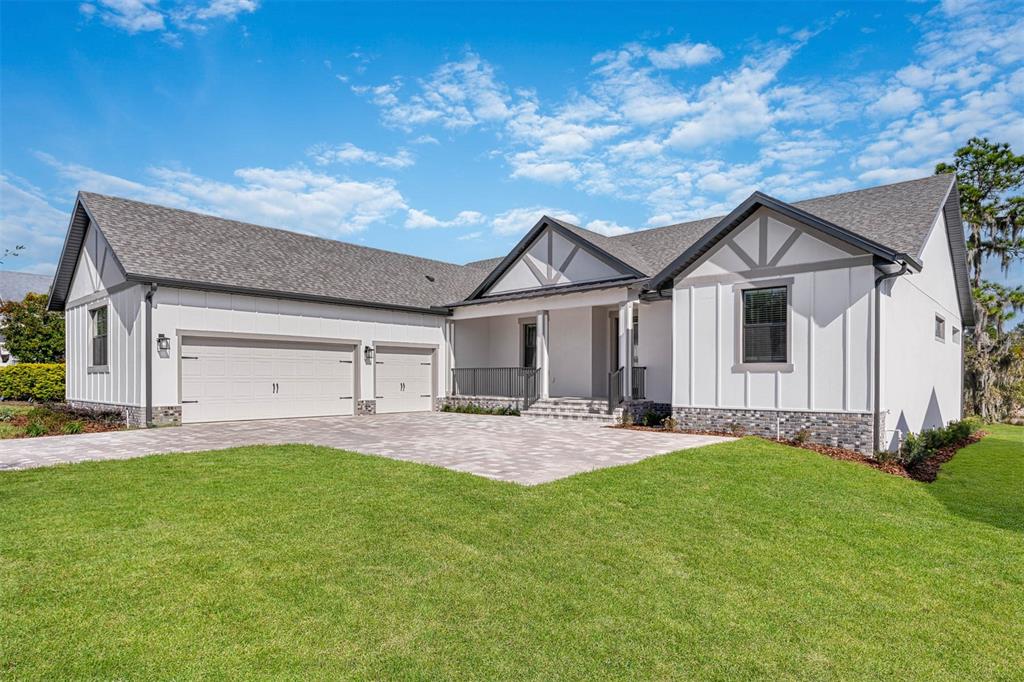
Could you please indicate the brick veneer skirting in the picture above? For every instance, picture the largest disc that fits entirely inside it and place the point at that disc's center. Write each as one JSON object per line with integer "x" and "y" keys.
{"x": 366, "y": 407}
{"x": 849, "y": 430}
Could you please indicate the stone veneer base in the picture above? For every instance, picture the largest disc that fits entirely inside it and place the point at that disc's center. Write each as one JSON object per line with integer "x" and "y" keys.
{"x": 848, "y": 430}
{"x": 366, "y": 407}
{"x": 134, "y": 415}
{"x": 487, "y": 402}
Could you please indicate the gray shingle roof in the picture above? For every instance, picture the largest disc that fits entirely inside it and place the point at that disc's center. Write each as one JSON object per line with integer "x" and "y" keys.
{"x": 897, "y": 216}
{"x": 170, "y": 244}
{"x": 14, "y": 285}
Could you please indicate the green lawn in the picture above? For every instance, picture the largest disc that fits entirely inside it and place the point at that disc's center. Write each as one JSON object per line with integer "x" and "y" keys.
{"x": 740, "y": 560}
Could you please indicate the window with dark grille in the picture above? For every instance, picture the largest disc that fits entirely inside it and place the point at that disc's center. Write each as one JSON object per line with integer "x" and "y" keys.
{"x": 940, "y": 328}
{"x": 529, "y": 345}
{"x": 764, "y": 325}
{"x": 99, "y": 336}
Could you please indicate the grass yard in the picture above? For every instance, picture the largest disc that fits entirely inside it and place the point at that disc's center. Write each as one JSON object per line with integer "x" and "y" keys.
{"x": 747, "y": 559}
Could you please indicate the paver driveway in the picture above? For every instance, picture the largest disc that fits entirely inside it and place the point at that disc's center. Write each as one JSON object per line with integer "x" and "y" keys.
{"x": 505, "y": 448}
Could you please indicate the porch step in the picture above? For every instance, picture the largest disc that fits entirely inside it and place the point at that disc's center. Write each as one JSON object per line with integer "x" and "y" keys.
{"x": 577, "y": 409}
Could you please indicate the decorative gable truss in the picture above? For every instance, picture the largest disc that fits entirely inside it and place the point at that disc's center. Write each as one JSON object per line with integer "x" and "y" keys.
{"x": 767, "y": 242}
{"x": 551, "y": 256}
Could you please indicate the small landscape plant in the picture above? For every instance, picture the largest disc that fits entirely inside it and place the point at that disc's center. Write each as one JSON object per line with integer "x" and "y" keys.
{"x": 35, "y": 428}
{"x": 73, "y": 427}
{"x": 802, "y": 436}
{"x": 626, "y": 419}
{"x": 473, "y": 408}
{"x": 917, "y": 447}
{"x": 670, "y": 423}
{"x": 737, "y": 429}
{"x": 651, "y": 418}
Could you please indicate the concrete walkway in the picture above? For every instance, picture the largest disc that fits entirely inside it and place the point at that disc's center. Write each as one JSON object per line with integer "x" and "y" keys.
{"x": 503, "y": 448}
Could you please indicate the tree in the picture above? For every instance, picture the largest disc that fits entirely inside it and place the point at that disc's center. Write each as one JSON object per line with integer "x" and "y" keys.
{"x": 31, "y": 332}
{"x": 987, "y": 174}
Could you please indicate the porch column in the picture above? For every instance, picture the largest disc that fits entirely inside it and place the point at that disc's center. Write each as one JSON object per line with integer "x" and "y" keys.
{"x": 542, "y": 354}
{"x": 626, "y": 347}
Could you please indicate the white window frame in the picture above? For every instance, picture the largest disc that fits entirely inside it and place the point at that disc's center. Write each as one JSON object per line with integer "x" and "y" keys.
{"x": 940, "y": 328}
{"x": 92, "y": 311}
{"x": 738, "y": 364}
{"x": 956, "y": 335}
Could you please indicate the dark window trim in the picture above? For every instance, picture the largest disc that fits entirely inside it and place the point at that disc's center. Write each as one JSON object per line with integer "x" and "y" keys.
{"x": 738, "y": 363}
{"x": 92, "y": 312}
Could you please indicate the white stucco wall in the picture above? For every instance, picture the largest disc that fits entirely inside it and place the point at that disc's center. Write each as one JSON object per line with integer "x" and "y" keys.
{"x": 569, "y": 350}
{"x": 829, "y": 326}
{"x": 654, "y": 349}
{"x": 922, "y": 377}
{"x": 177, "y": 310}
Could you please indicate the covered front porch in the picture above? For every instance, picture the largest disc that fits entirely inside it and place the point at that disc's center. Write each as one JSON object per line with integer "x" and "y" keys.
{"x": 589, "y": 345}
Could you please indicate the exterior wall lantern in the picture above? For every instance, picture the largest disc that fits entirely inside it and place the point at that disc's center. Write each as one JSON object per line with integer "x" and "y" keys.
{"x": 163, "y": 342}
{"x": 368, "y": 354}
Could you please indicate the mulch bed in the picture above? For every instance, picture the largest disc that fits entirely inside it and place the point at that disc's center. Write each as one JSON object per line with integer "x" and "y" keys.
{"x": 926, "y": 471}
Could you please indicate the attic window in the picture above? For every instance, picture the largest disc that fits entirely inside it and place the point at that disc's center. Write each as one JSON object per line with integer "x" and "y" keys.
{"x": 940, "y": 328}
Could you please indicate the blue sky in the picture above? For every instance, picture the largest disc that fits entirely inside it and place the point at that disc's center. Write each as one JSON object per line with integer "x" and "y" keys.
{"x": 446, "y": 130}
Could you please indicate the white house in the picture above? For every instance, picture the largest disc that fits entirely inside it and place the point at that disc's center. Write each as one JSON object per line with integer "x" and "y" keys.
{"x": 841, "y": 316}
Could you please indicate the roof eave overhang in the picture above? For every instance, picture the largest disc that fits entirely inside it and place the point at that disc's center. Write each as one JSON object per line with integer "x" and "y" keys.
{"x": 560, "y": 290}
{"x": 759, "y": 200}
{"x": 290, "y": 295}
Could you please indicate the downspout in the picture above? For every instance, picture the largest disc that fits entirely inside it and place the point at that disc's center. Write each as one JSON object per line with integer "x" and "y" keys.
{"x": 877, "y": 416}
{"x": 149, "y": 354}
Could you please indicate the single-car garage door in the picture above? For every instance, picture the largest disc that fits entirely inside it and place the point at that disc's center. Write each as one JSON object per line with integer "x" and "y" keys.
{"x": 225, "y": 379}
{"x": 404, "y": 379}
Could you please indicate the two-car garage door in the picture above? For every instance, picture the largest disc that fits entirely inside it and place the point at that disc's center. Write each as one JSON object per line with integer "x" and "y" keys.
{"x": 226, "y": 379}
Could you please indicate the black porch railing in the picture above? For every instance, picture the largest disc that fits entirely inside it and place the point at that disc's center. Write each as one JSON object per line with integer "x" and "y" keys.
{"x": 497, "y": 382}
{"x": 616, "y": 391}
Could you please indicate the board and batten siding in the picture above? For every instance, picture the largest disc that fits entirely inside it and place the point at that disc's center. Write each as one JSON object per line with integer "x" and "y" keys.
{"x": 96, "y": 274}
{"x": 123, "y": 382}
{"x": 185, "y": 310}
{"x": 830, "y": 322}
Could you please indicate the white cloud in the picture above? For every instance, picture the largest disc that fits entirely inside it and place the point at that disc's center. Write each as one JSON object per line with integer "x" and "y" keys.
{"x": 294, "y": 198}
{"x": 425, "y": 139}
{"x": 518, "y": 221}
{"x": 143, "y": 16}
{"x": 606, "y": 227}
{"x": 458, "y": 94}
{"x": 417, "y": 219}
{"x": 27, "y": 219}
{"x": 349, "y": 153}
{"x": 470, "y": 236}
{"x": 898, "y": 101}
{"x": 678, "y": 55}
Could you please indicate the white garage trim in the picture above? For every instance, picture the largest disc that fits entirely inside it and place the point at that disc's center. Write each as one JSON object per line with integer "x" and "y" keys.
{"x": 409, "y": 386}
{"x": 232, "y": 377}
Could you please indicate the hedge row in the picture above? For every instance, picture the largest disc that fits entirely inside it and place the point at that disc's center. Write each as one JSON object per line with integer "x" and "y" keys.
{"x": 43, "y": 382}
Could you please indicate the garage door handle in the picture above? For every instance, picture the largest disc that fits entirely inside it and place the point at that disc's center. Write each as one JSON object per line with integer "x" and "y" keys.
{"x": 190, "y": 401}
{"x": 189, "y": 357}
{"x": 345, "y": 397}
{"x": 426, "y": 364}
{"x": 378, "y": 396}
{"x": 424, "y": 395}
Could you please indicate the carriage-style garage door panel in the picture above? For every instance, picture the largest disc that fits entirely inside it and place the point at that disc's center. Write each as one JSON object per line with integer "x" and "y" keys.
{"x": 404, "y": 379}
{"x": 226, "y": 379}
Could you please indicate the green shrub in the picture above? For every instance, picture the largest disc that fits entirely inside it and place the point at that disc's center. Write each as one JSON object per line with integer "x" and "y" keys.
{"x": 651, "y": 418}
{"x": 73, "y": 427}
{"x": 670, "y": 423}
{"x": 918, "y": 447}
{"x": 36, "y": 428}
{"x": 42, "y": 382}
{"x": 7, "y": 414}
{"x": 473, "y": 408}
{"x": 627, "y": 418}
{"x": 802, "y": 436}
